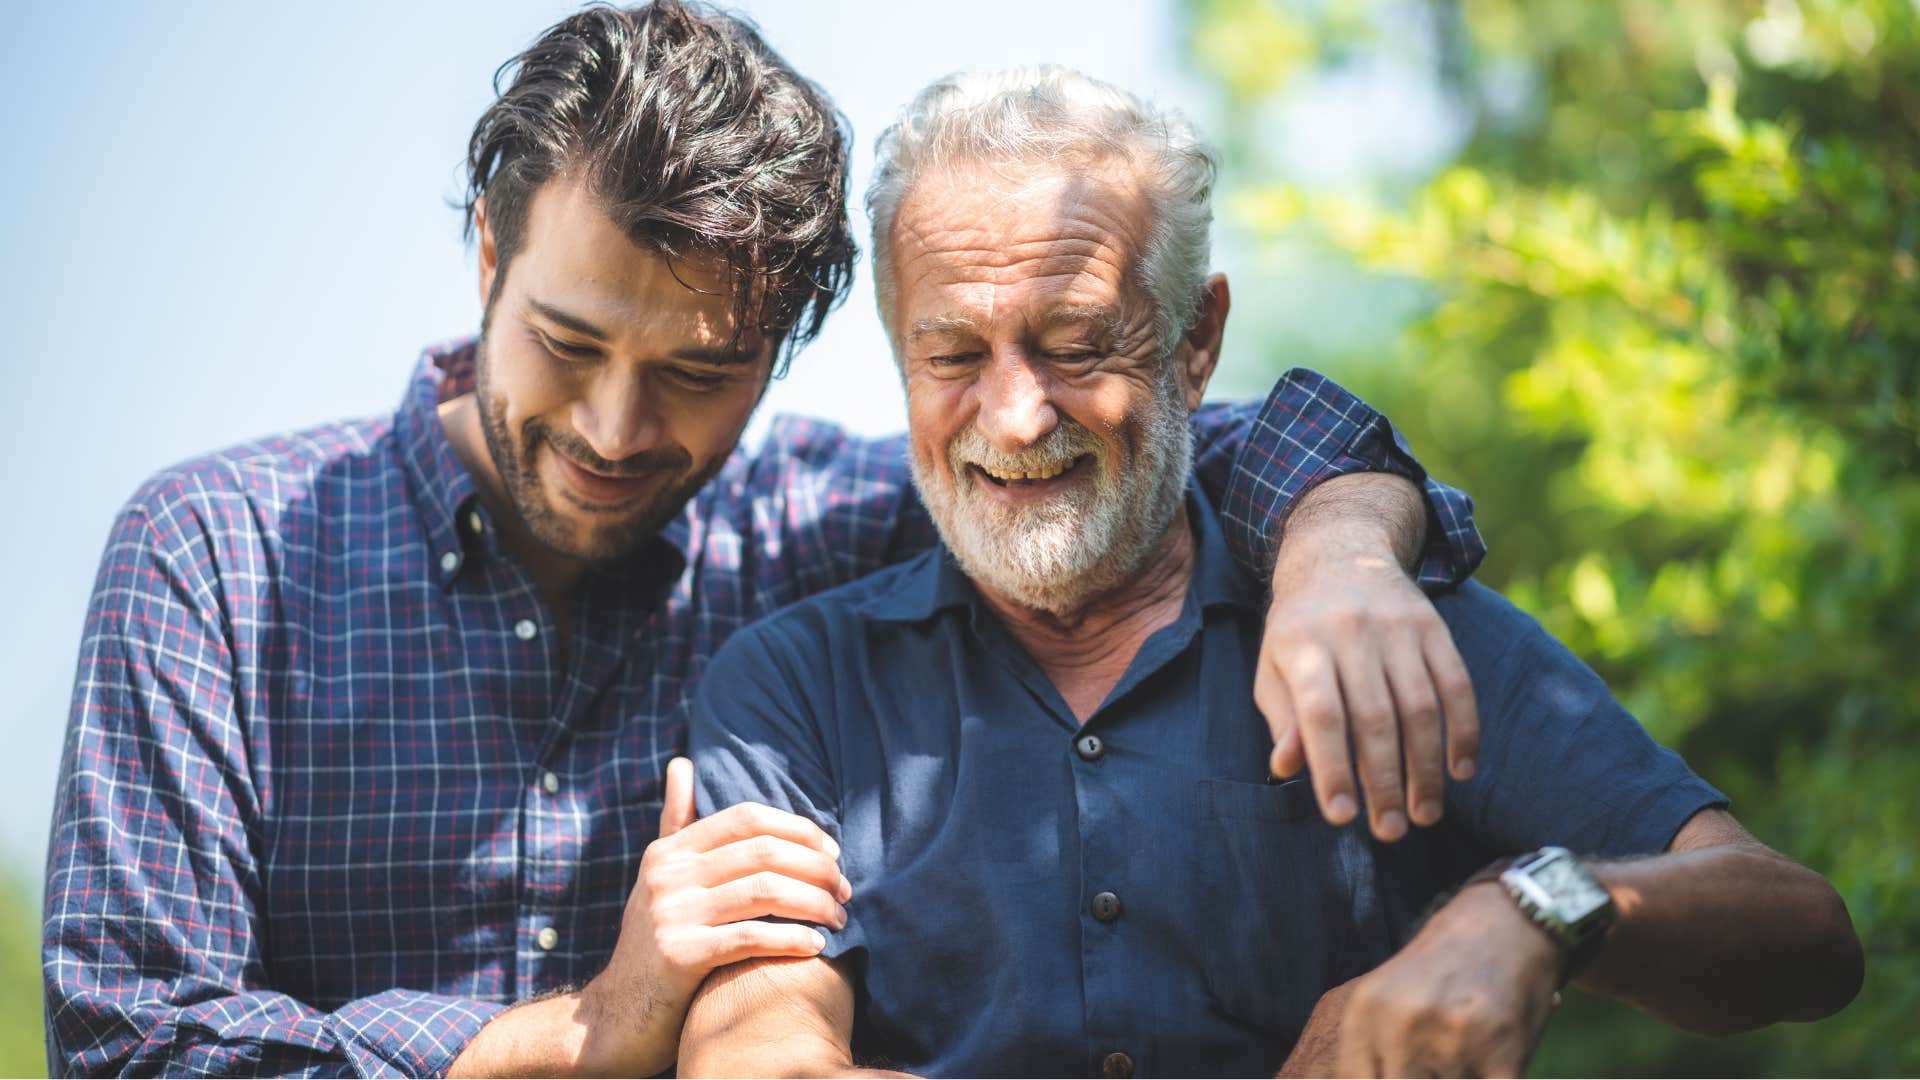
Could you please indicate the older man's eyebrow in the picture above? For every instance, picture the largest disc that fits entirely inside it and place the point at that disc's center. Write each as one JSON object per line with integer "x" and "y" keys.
{"x": 563, "y": 318}
{"x": 943, "y": 324}
{"x": 1103, "y": 320}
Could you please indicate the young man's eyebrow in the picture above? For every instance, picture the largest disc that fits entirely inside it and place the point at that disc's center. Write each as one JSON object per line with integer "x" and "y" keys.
{"x": 720, "y": 356}
{"x": 572, "y": 322}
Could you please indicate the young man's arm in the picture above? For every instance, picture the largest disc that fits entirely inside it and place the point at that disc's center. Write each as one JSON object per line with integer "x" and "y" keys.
{"x": 152, "y": 959}
{"x": 150, "y": 954}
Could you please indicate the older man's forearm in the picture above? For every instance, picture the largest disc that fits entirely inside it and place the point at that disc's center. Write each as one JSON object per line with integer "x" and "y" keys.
{"x": 1726, "y": 937}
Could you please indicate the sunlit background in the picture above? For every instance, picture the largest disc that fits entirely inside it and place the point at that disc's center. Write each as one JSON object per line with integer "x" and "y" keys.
{"x": 1641, "y": 276}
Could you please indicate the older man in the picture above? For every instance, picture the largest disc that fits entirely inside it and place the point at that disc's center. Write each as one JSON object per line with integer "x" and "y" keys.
{"x": 1035, "y": 744}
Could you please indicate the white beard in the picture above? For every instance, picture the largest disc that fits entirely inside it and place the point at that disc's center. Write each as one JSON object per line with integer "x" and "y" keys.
{"x": 1056, "y": 556}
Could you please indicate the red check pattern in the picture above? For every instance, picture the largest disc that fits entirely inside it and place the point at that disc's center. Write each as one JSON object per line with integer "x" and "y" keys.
{"x": 329, "y": 800}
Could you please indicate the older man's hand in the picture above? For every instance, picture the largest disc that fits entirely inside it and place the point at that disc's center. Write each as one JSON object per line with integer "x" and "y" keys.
{"x": 1353, "y": 648}
{"x": 1470, "y": 995}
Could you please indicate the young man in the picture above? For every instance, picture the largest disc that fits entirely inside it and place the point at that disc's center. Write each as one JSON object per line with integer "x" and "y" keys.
{"x": 1036, "y": 745}
{"x": 372, "y": 722}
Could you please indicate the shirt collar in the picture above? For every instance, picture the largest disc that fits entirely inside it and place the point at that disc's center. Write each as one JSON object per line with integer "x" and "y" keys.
{"x": 458, "y": 526}
{"x": 935, "y": 582}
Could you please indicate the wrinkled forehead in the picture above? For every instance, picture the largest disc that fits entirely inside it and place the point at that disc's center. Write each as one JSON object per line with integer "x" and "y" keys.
{"x": 1070, "y": 236}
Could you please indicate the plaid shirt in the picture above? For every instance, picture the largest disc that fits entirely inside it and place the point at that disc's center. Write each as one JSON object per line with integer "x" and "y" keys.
{"x": 329, "y": 801}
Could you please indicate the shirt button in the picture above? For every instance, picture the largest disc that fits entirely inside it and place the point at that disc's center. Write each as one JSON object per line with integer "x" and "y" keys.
{"x": 547, "y": 938}
{"x": 475, "y": 523}
{"x": 1106, "y": 908}
{"x": 550, "y": 783}
{"x": 450, "y": 562}
{"x": 1118, "y": 1066}
{"x": 1089, "y": 747}
{"x": 525, "y": 630}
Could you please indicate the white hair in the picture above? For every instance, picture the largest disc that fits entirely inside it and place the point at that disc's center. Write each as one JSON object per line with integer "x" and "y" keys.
{"x": 1055, "y": 115}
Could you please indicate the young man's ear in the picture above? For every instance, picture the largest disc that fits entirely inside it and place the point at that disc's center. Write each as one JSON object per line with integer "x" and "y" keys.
{"x": 489, "y": 252}
{"x": 1199, "y": 351}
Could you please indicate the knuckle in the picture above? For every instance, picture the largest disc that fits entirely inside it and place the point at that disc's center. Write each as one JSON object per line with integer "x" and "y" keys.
{"x": 760, "y": 887}
{"x": 1347, "y": 619}
{"x": 1317, "y": 709}
{"x": 1454, "y": 683}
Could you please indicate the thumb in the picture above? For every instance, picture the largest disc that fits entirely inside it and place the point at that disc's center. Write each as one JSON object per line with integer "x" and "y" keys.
{"x": 676, "y": 812}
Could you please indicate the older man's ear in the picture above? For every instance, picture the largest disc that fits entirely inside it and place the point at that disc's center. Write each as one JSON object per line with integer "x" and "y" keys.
{"x": 1199, "y": 351}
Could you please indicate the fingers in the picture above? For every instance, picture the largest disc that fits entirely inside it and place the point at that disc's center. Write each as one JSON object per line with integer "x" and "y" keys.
{"x": 1376, "y": 738}
{"x": 676, "y": 809}
{"x": 774, "y": 855}
{"x": 1419, "y": 729}
{"x": 747, "y": 820}
{"x": 758, "y": 896}
{"x": 1322, "y": 723}
{"x": 1449, "y": 674}
{"x": 1276, "y": 704}
{"x": 739, "y": 941}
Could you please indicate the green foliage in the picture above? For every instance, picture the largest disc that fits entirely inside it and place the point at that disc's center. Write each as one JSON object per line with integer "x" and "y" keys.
{"x": 23, "y": 1046}
{"x": 1674, "y": 352}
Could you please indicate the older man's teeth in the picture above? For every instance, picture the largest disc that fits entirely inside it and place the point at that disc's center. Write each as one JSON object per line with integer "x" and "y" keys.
{"x": 1044, "y": 473}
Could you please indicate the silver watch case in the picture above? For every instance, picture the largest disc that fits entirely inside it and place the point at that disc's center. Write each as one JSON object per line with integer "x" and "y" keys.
{"x": 1560, "y": 896}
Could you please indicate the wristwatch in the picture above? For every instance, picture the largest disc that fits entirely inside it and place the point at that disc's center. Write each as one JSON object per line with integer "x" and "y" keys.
{"x": 1561, "y": 897}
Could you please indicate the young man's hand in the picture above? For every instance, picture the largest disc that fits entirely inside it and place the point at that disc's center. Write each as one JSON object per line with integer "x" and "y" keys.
{"x": 1353, "y": 649}
{"x": 704, "y": 891}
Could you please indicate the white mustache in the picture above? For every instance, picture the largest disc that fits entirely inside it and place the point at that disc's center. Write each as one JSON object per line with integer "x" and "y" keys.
{"x": 1055, "y": 450}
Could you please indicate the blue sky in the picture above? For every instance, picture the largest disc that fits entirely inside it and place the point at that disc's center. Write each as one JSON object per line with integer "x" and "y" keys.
{"x": 227, "y": 220}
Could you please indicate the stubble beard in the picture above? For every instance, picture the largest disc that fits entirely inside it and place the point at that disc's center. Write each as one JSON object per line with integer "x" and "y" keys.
{"x": 514, "y": 460}
{"x": 1058, "y": 556}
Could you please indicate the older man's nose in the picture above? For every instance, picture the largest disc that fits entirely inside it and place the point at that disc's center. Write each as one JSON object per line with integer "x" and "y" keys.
{"x": 1016, "y": 409}
{"x": 617, "y": 417}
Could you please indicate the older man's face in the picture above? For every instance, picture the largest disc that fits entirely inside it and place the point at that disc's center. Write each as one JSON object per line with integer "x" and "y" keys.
{"x": 1049, "y": 428}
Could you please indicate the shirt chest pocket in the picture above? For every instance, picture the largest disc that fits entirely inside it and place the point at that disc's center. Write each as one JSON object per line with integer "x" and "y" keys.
{"x": 1290, "y": 899}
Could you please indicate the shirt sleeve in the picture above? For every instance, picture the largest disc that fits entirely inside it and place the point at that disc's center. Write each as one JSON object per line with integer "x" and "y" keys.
{"x": 753, "y": 737}
{"x": 1561, "y": 761}
{"x": 1308, "y": 431}
{"x": 149, "y": 954}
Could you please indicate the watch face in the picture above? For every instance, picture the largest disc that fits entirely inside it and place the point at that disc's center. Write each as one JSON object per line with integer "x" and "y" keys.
{"x": 1575, "y": 893}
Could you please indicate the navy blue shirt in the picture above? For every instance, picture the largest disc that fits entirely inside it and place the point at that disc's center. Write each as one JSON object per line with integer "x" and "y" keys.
{"x": 1031, "y": 895}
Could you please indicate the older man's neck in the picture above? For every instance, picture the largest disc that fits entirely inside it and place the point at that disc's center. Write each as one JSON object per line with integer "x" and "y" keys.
{"x": 1085, "y": 651}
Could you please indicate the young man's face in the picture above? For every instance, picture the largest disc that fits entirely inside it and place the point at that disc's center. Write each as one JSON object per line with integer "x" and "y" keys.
{"x": 610, "y": 385}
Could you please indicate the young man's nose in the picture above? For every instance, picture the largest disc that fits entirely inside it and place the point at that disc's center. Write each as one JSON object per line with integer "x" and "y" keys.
{"x": 618, "y": 418}
{"x": 1016, "y": 408}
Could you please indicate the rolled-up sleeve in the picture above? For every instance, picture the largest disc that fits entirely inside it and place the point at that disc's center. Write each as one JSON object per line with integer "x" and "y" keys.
{"x": 1311, "y": 430}
{"x": 150, "y": 956}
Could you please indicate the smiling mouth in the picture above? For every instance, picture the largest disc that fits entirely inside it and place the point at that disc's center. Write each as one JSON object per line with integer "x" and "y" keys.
{"x": 1023, "y": 477}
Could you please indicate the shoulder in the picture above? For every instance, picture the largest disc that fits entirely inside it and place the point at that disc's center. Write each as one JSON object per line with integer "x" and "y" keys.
{"x": 236, "y": 496}
{"x": 809, "y": 636}
{"x": 1489, "y": 629}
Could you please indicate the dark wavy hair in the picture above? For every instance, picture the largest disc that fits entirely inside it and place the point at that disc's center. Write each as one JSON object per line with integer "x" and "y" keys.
{"x": 700, "y": 140}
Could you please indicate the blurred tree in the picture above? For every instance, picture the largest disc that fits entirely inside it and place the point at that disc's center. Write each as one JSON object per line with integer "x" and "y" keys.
{"x": 23, "y": 1046}
{"x": 1673, "y": 349}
